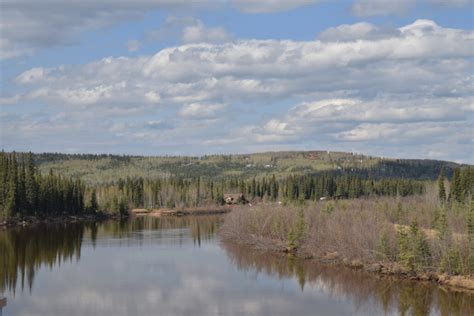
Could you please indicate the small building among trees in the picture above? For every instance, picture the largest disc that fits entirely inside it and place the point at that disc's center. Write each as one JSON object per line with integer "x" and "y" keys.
{"x": 234, "y": 198}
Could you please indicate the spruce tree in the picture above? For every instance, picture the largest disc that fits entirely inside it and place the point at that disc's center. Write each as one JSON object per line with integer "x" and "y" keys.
{"x": 456, "y": 189}
{"x": 470, "y": 234}
{"x": 441, "y": 188}
{"x": 31, "y": 185}
{"x": 93, "y": 207}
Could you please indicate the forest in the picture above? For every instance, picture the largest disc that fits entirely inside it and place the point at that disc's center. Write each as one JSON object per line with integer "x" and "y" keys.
{"x": 25, "y": 190}
{"x": 99, "y": 169}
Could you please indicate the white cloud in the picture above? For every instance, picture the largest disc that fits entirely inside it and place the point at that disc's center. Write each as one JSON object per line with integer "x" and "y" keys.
{"x": 198, "y": 33}
{"x": 357, "y": 31}
{"x": 366, "y": 8}
{"x": 153, "y": 97}
{"x": 10, "y": 100}
{"x": 270, "y": 69}
{"x": 415, "y": 76}
{"x": 201, "y": 111}
{"x": 27, "y": 25}
{"x": 32, "y": 75}
{"x": 266, "y": 6}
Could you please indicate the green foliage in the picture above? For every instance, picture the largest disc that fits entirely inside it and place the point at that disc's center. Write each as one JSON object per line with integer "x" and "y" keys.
{"x": 93, "y": 205}
{"x": 400, "y": 213}
{"x": 298, "y": 232}
{"x": 329, "y": 207}
{"x": 441, "y": 188}
{"x": 383, "y": 248}
{"x": 462, "y": 184}
{"x": 414, "y": 252}
{"x": 440, "y": 221}
{"x": 470, "y": 234}
{"x": 451, "y": 261}
{"x": 123, "y": 207}
{"x": 94, "y": 169}
{"x": 23, "y": 192}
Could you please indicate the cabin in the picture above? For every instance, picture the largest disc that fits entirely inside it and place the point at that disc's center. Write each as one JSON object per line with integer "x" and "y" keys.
{"x": 234, "y": 198}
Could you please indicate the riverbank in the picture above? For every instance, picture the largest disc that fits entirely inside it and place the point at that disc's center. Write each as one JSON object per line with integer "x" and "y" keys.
{"x": 57, "y": 219}
{"x": 191, "y": 211}
{"x": 204, "y": 210}
{"x": 383, "y": 236}
{"x": 453, "y": 282}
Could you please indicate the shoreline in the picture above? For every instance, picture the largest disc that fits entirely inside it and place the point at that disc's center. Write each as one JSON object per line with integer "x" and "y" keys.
{"x": 186, "y": 211}
{"x": 384, "y": 269}
{"x": 98, "y": 217}
{"x": 57, "y": 219}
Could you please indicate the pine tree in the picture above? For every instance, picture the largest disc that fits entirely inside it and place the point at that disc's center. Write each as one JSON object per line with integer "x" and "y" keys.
{"x": 414, "y": 252}
{"x": 456, "y": 189}
{"x": 22, "y": 205}
{"x": 405, "y": 254}
{"x": 451, "y": 261}
{"x": 198, "y": 191}
{"x": 441, "y": 188}
{"x": 470, "y": 234}
{"x": 93, "y": 207}
{"x": 421, "y": 249}
{"x": 297, "y": 232}
{"x": 383, "y": 247}
{"x": 441, "y": 222}
{"x": 11, "y": 205}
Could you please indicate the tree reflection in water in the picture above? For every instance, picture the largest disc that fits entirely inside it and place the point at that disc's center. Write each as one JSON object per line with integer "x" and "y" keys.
{"x": 24, "y": 250}
{"x": 404, "y": 297}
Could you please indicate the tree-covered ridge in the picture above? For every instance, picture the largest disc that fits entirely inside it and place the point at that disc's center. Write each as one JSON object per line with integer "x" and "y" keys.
{"x": 24, "y": 191}
{"x": 107, "y": 168}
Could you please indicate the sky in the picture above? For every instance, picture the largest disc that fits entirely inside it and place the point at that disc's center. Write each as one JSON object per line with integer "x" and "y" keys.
{"x": 178, "y": 77}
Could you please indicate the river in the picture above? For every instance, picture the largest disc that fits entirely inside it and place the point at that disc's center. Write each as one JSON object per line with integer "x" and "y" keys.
{"x": 179, "y": 266}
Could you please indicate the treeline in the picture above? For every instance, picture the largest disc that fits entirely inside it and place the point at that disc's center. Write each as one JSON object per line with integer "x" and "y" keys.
{"x": 462, "y": 185}
{"x": 25, "y": 192}
{"x": 179, "y": 192}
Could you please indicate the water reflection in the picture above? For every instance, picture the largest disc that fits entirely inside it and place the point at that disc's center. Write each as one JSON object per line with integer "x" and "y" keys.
{"x": 178, "y": 266}
{"x": 402, "y": 297}
{"x": 23, "y": 250}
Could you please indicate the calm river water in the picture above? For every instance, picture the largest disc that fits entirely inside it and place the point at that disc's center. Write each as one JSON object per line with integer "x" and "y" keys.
{"x": 178, "y": 266}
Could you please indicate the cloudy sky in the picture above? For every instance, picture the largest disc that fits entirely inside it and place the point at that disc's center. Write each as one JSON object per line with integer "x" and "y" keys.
{"x": 381, "y": 77}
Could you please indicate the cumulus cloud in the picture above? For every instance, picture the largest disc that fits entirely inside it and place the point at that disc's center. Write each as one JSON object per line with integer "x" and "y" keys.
{"x": 341, "y": 85}
{"x": 198, "y": 33}
{"x": 416, "y": 58}
{"x": 32, "y": 75}
{"x": 362, "y": 30}
{"x": 28, "y": 25}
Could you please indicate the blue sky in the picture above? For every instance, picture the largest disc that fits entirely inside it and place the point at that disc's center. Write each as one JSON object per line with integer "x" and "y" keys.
{"x": 380, "y": 77}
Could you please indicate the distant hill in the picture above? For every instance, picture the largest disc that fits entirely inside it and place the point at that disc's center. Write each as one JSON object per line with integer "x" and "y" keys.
{"x": 107, "y": 168}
